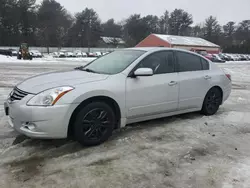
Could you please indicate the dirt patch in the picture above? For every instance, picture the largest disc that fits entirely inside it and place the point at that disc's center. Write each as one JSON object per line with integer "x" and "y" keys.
{"x": 167, "y": 137}
{"x": 198, "y": 152}
{"x": 243, "y": 130}
{"x": 103, "y": 161}
{"x": 166, "y": 166}
{"x": 24, "y": 170}
{"x": 47, "y": 148}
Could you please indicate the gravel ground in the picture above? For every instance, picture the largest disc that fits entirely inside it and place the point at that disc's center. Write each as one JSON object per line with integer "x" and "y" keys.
{"x": 183, "y": 151}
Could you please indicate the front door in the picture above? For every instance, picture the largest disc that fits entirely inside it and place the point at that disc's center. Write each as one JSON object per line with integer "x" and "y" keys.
{"x": 151, "y": 95}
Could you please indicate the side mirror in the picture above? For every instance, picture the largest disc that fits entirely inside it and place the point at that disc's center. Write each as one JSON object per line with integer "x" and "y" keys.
{"x": 143, "y": 72}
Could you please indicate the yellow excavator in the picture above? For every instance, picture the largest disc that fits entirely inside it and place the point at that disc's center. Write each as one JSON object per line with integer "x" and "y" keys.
{"x": 23, "y": 52}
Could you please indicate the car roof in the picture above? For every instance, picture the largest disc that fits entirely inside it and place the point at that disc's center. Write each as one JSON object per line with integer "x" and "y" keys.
{"x": 155, "y": 49}
{"x": 148, "y": 49}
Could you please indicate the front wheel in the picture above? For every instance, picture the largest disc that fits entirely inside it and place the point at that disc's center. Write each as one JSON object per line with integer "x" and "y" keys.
{"x": 212, "y": 102}
{"x": 94, "y": 124}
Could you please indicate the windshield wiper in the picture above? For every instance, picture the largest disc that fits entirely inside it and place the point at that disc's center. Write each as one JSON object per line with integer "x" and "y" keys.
{"x": 87, "y": 70}
{"x": 79, "y": 68}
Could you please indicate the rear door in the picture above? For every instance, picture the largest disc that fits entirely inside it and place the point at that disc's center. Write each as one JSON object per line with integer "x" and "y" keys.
{"x": 194, "y": 81}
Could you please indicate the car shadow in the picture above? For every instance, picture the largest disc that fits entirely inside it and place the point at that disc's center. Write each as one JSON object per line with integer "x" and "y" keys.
{"x": 151, "y": 124}
{"x": 57, "y": 148}
{"x": 49, "y": 148}
{"x": 30, "y": 165}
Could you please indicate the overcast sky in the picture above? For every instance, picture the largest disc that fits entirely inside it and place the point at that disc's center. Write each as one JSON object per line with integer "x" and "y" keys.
{"x": 224, "y": 10}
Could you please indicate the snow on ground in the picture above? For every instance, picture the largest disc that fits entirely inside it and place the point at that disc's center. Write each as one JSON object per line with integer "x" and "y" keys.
{"x": 183, "y": 151}
{"x": 46, "y": 60}
{"x": 239, "y": 71}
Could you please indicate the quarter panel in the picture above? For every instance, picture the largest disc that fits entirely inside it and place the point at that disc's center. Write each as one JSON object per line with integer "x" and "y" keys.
{"x": 218, "y": 78}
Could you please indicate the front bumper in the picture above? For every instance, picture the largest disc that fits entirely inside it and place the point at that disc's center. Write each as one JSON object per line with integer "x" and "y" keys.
{"x": 39, "y": 122}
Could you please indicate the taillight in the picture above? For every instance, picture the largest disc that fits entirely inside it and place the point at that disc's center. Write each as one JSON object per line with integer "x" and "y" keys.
{"x": 229, "y": 77}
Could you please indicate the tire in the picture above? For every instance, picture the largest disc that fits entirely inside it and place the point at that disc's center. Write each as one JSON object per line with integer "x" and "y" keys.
{"x": 212, "y": 101}
{"x": 94, "y": 124}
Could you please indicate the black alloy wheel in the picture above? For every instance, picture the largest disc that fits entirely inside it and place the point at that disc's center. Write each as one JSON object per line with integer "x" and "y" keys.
{"x": 212, "y": 101}
{"x": 94, "y": 124}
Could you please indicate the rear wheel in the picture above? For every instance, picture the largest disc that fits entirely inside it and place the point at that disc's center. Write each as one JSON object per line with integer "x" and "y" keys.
{"x": 94, "y": 124}
{"x": 212, "y": 101}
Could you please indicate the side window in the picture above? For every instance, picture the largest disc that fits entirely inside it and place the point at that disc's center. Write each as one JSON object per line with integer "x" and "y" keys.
{"x": 188, "y": 62}
{"x": 205, "y": 64}
{"x": 170, "y": 62}
{"x": 160, "y": 62}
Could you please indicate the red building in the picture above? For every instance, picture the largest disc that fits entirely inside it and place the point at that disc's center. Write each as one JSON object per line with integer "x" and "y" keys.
{"x": 171, "y": 41}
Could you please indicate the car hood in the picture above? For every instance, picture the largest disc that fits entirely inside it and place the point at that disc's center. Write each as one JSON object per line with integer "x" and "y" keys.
{"x": 46, "y": 81}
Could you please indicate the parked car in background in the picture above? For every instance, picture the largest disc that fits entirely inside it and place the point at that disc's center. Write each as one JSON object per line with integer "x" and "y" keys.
{"x": 224, "y": 57}
{"x": 13, "y": 52}
{"x": 201, "y": 52}
{"x": 62, "y": 54}
{"x": 209, "y": 56}
{"x": 90, "y": 102}
{"x": 231, "y": 58}
{"x": 205, "y": 54}
{"x": 84, "y": 54}
{"x": 90, "y": 54}
{"x": 98, "y": 54}
{"x": 234, "y": 57}
{"x": 237, "y": 57}
{"x": 216, "y": 58}
{"x": 5, "y": 52}
{"x": 69, "y": 54}
{"x": 36, "y": 54}
{"x": 105, "y": 53}
{"x": 77, "y": 53}
{"x": 55, "y": 54}
{"x": 243, "y": 57}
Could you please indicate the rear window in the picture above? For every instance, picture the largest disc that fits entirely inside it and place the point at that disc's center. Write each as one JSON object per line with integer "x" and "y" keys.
{"x": 188, "y": 62}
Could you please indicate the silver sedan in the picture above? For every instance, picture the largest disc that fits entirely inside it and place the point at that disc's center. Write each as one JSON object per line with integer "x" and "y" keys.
{"x": 123, "y": 87}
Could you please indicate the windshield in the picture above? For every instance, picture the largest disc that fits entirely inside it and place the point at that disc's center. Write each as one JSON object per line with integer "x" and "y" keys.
{"x": 114, "y": 62}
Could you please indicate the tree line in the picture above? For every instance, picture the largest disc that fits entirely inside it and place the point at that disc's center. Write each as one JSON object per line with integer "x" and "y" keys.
{"x": 49, "y": 24}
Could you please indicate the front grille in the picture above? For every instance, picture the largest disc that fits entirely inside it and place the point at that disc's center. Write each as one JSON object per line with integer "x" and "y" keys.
{"x": 17, "y": 94}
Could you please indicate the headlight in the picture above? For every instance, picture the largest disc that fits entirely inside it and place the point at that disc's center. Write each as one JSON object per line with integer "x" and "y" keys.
{"x": 49, "y": 97}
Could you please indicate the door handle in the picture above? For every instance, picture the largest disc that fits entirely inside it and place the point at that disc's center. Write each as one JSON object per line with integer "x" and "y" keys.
{"x": 172, "y": 83}
{"x": 207, "y": 77}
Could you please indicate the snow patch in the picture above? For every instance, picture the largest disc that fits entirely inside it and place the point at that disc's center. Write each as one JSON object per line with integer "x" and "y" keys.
{"x": 46, "y": 60}
{"x": 239, "y": 176}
